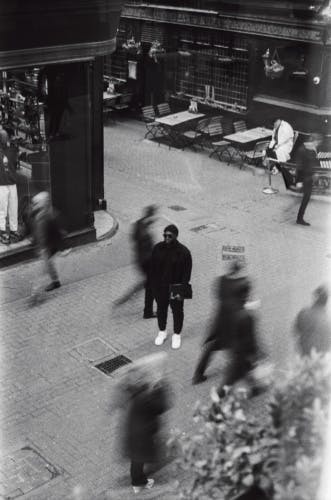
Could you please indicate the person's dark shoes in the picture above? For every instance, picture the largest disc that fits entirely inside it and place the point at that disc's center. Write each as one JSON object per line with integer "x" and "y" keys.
{"x": 149, "y": 315}
{"x": 302, "y": 222}
{"x": 198, "y": 379}
{"x": 53, "y": 286}
{"x": 4, "y": 238}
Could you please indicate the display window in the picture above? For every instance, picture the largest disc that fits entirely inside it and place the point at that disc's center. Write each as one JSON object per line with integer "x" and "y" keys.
{"x": 24, "y": 149}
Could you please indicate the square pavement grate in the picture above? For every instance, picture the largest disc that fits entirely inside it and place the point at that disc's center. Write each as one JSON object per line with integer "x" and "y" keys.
{"x": 93, "y": 350}
{"x": 113, "y": 364}
{"x": 177, "y": 208}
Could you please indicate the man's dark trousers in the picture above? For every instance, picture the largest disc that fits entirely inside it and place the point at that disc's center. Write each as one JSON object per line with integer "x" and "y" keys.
{"x": 138, "y": 477}
{"x": 163, "y": 301}
{"x": 307, "y": 189}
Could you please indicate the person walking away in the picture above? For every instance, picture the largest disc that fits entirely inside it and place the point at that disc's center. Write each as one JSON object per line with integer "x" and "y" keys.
{"x": 146, "y": 399}
{"x": 143, "y": 247}
{"x": 312, "y": 326}
{"x": 47, "y": 235}
{"x": 171, "y": 264}
{"x": 244, "y": 351}
{"x": 221, "y": 334}
{"x": 306, "y": 162}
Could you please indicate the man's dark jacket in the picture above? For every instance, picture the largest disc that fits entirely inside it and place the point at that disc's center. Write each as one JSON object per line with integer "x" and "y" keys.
{"x": 170, "y": 264}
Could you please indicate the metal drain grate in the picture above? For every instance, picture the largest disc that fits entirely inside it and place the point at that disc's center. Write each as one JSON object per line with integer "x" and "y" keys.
{"x": 113, "y": 364}
{"x": 177, "y": 208}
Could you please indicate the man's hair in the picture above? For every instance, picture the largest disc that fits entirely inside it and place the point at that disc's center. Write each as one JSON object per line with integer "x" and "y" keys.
{"x": 316, "y": 136}
{"x": 172, "y": 229}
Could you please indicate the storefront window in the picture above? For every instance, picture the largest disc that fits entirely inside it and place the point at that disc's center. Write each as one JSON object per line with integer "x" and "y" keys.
{"x": 24, "y": 159}
{"x": 214, "y": 68}
{"x": 302, "y": 65}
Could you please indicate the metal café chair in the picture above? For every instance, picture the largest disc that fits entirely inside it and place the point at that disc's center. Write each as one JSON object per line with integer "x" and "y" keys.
{"x": 153, "y": 128}
{"x": 214, "y": 139}
{"x": 197, "y": 135}
{"x": 163, "y": 109}
{"x": 239, "y": 126}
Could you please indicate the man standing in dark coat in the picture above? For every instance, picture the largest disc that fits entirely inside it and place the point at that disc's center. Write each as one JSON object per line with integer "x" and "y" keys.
{"x": 306, "y": 162}
{"x": 171, "y": 264}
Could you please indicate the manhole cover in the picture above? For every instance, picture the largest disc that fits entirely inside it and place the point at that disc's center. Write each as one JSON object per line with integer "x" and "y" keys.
{"x": 177, "y": 208}
{"x": 23, "y": 471}
{"x": 113, "y": 364}
{"x": 92, "y": 350}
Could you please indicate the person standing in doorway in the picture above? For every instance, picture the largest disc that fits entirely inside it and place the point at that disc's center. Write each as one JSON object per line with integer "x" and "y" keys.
{"x": 171, "y": 264}
{"x": 307, "y": 160}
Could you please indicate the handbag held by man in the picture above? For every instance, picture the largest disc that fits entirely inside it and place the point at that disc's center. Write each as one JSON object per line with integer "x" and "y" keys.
{"x": 184, "y": 290}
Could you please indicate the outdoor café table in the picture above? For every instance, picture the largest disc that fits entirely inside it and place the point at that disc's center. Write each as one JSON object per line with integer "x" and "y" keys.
{"x": 246, "y": 140}
{"x": 173, "y": 124}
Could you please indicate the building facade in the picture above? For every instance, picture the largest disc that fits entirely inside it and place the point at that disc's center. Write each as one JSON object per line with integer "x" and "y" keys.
{"x": 259, "y": 60}
{"x": 51, "y": 67}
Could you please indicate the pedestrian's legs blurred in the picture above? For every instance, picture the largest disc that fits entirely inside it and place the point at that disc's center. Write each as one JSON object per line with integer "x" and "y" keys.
{"x": 307, "y": 189}
{"x": 237, "y": 369}
{"x": 47, "y": 268}
{"x": 138, "y": 477}
{"x": 149, "y": 299}
{"x": 208, "y": 349}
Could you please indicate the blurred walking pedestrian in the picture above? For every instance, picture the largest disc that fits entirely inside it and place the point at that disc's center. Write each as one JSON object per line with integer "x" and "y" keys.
{"x": 145, "y": 396}
{"x": 307, "y": 160}
{"x": 222, "y": 334}
{"x": 171, "y": 264}
{"x": 312, "y": 326}
{"x": 47, "y": 236}
{"x": 143, "y": 247}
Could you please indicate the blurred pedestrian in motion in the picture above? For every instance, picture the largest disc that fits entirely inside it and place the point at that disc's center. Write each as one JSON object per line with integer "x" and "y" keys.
{"x": 307, "y": 160}
{"x": 143, "y": 247}
{"x": 145, "y": 396}
{"x": 47, "y": 236}
{"x": 171, "y": 264}
{"x": 312, "y": 326}
{"x": 222, "y": 334}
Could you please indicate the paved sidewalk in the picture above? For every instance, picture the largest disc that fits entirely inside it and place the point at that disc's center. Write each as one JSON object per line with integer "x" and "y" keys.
{"x": 60, "y": 426}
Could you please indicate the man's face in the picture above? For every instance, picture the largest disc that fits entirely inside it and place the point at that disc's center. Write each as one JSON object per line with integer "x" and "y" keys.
{"x": 169, "y": 237}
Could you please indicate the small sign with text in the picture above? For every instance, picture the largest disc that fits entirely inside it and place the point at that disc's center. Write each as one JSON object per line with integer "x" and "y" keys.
{"x": 233, "y": 252}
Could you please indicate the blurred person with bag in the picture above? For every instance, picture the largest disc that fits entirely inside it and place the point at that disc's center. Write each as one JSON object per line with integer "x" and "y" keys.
{"x": 47, "y": 235}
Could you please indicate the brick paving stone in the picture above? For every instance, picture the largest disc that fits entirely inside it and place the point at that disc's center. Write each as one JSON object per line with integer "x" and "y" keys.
{"x": 65, "y": 406}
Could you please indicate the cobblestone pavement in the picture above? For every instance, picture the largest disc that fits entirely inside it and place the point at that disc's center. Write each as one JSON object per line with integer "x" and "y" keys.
{"x": 59, "y": 421}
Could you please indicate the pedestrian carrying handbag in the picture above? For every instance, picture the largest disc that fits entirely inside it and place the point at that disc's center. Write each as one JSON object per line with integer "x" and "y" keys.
{"x": 182, "y": 289}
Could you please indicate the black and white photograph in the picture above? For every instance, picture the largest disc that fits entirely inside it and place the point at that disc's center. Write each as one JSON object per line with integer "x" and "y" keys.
{"x": 165, "y": 249}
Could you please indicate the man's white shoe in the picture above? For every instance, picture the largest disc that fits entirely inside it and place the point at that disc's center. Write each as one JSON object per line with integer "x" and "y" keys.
{"x": 161, "y": 336}
{"x": 148, "y": 486}
{"x": 175, "y": 341}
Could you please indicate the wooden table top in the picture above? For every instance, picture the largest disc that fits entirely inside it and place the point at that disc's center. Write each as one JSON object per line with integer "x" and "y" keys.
{"x": 251, "y": 135}
{"x": 178, "y": 118}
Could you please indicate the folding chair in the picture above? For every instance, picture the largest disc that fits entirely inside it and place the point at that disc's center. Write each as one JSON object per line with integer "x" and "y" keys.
{"x": 239, "y": 126}
{"x": 148, "y": 116}
{"x": 163, "y": 109}
{"x": 196, "y": 136}
{"x": 255, "y": 156}
{"x": 214, "y": 139}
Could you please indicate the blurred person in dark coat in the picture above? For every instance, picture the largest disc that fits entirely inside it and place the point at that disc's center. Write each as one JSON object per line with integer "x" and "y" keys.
{"x": 221, "y": 335}
{"x": 47, "y": 235}
{"x": 312, "y": 326}
{"x": 146, "y": 399}
{"x": 143, "y": 247}
{"x": 171, "y": 263}
{"x": 307, "y": 160}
